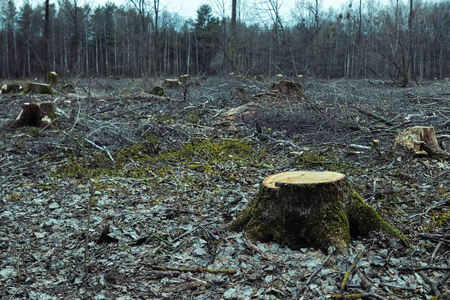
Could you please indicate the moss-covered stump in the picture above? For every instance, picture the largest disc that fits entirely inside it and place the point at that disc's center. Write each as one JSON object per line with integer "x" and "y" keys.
{"x": 158, "y": 90}
{"x": 52, "y": 78}
{"x": 184, "y": 79}
{"x": 309, "y": 209}
{"x": 10, "y": 88}
{"x": 171, "y": 83}
{"x": 421, "y": 140}
{"x": 38, "y": 88}
{"x": 36, "y": 114}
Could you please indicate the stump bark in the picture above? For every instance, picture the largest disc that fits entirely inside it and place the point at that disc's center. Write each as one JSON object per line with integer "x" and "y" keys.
{"x": 421, "y": 140}
{"x": 309, "y": 209}
{"x": 36, "y": 114}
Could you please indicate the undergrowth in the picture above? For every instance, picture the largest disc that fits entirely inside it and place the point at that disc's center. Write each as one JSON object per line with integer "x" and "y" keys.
{"x": 209, "y": 156}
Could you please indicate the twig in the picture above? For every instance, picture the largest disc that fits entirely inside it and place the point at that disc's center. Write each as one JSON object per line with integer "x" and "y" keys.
{"x": 352, "y": 267}
{"x": 254, "y": 248}
{"x": 439, "y": 244}
{"x": 331, "y": 250}
{"x": 196, "y": 270}
{"x": 103, "y": 148}
{"x": 433, "y": 284}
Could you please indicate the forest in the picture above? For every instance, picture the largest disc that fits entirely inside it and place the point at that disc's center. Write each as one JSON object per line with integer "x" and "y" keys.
{"x": 398, "y": 40}
{"x": 250, "y": 152}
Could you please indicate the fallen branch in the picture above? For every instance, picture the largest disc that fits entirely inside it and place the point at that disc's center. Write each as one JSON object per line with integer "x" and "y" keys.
{"x": 196, "y": 270}
{"x": 352, "y": 267}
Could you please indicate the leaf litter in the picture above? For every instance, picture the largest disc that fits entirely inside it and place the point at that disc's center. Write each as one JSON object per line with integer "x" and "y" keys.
{"x": 166, "y": 234}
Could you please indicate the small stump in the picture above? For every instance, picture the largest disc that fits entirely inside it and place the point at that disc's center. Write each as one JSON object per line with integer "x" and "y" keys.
{"x": 171, "y": 83}
{"x": 52, "y": 78}
{"x": 288, "y": 87}
{"x": 309, "y": 209}
{"x": 421, "y": 140}
{"x": 158, "y": 90}
{"x": 36, "y": 114}
{"x": 184, "y": 79}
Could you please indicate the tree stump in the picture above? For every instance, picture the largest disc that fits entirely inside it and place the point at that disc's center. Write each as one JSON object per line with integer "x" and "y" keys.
{"x": 184, "y": 79}
{"x": 38, "y": 88}
{"x": 36, "y": 114}
{"x": 52, "y": 78}
{"x": 171, "y": 83}
{"x": 421, "y": 140}
{"x": 309, "y": 209}
{"x": 10, "y": 88}
{"x": 158, "y": 90}
{"x": 288, "y": 88}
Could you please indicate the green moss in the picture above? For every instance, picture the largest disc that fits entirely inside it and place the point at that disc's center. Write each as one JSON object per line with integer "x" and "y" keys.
{"x": 164, "y": 118}
{"x": 14, "y": 197}
{"x": 363, "y": 218}
{"x": 193, "y": 118}
{"x": 439, "y": 219}
{"x": 210, "y": 156}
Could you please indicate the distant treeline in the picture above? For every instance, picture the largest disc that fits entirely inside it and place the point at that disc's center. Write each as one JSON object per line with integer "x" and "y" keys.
{"x": 398, "y": 40}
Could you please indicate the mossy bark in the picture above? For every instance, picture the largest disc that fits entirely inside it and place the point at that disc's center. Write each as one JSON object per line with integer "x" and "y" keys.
{"x": 309, "y": 209}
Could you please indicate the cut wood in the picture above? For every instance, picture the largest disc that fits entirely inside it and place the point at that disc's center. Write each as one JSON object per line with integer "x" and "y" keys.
{"x": 36, "y": 114}
{"x": 309, "y": 209}
{"x": 38, "y": 88}
{"x": 421, "y": 140}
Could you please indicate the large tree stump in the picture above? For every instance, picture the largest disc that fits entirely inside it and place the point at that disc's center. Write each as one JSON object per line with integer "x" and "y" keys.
{"x": 36, "y": 114}
{"x": 421, "y": 140}
{"x": 10, "y": 88}
{"x": 38, "y": 88}
{"x": 309, "y": 209}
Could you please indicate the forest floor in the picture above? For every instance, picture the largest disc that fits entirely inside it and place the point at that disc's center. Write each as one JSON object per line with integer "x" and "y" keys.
{"x": 165, "y": 175}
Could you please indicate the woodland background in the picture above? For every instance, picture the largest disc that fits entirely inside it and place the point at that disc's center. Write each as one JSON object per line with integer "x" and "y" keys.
{"x": 401, "y": 40}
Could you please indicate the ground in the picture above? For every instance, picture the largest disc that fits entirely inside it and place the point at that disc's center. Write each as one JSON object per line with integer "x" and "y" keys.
{"x": 163, "y": 176}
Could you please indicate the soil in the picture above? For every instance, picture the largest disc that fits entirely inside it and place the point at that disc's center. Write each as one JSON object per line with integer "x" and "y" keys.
{"x": 157, "y": 228}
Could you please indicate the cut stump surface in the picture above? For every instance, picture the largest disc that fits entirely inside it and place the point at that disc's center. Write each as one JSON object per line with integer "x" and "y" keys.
{"x": 309, "y": 209}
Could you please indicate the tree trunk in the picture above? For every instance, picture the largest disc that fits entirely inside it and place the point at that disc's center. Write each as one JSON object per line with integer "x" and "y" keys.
{"x": 309, "y": 209}
{"x": 233, "y": 36}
